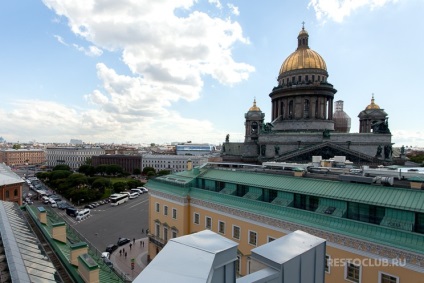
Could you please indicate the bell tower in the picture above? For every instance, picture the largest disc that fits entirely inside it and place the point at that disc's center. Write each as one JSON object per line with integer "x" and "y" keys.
{"x": 254, "y": 120}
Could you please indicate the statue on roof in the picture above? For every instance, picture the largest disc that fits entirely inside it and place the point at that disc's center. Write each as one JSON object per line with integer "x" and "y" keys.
{"x": 227, "y": 138}
{"x": 380, "y": 127}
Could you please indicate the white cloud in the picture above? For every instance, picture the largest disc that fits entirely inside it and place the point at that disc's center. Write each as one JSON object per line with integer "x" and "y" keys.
{"x": 217, "y": 3}
{"x": 169, "y": 57}
{"x": 234, "y": 9}
{"x": 60, "y": 40}
{"x": 92, "y": 50}
{"x": 337, "y": 10}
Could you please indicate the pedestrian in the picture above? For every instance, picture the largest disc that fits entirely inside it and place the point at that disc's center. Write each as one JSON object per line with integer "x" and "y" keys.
{"x": 120, "y": 252}
{"x": 142, "y": 244}
{"x": 130, "y": 246}
{"x": 133, "y": 240}
{"x": 142, "y": 231}
{"x": 125, "y": 254}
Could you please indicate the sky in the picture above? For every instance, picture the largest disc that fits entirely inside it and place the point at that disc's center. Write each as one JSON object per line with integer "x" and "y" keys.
{"x": 140, "y": 71}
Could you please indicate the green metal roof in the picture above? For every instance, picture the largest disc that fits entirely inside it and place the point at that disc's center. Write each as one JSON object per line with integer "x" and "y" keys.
{"x": 361, "y": 230}
{"x": 399, "y": 198}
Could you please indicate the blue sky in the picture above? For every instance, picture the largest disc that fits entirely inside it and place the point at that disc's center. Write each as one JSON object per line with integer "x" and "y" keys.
{"x": 138, "y": 71}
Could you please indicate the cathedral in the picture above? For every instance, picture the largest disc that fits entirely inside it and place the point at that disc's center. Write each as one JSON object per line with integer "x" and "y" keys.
{"x": 307, "y": 120}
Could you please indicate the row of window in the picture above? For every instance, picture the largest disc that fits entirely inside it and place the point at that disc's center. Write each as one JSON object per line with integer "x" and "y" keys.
{"x": 165, "y": 210}
{"x": 305, "y": 78}
{"x": 353, "y": 273}
{"x": 7, "y": 194}
{"x": 236, "y": 230}
{"x": 174, "y": 233}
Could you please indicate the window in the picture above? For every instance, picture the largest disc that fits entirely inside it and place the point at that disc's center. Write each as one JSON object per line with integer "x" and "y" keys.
{"x": 157, "y": 207}
{"x": 165, "y": 234}
{"x": 208, "y": 223}
{"x": 238, "y": 264}
{"x": 174, "y": 234}
{"x": 165, "y": 210}
{"x": 352, "y": 272}
{"x": 174, "y": 213}
{"x": 15, "y": 193}
{"x": 196, "y": 218}
{"x": 7, "y": 194}
{"x": 236, "y": 232}
{"x": 221, "y": 227}
{"x": 157, "y": 230}
{"x": 327, "y": 263}
{"x": 252, "y": 238}
{"x": 386, "y": 278}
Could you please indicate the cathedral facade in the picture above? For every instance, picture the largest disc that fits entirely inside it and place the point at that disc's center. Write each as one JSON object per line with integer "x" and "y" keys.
{"x": 307, "y": 121}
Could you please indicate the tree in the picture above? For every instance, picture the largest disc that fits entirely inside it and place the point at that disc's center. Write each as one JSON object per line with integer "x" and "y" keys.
{"x": 164, "y": 172}
{"x": 59, "y": 174}
{"x": 147, "y": 169}
{"x": 120, "y": 187}
{"x": 88, "y": 170}
{"x": 114, "y": 169}
{"x": 134, "y": 183}
{"x": 16, "y": 146}
{"x": 136, "y": 171}
{"x": 62, "y": 167}
{"x": 101, "y": 184}
{"x": 88, "y": 161}
{"x": 101, "y": 169}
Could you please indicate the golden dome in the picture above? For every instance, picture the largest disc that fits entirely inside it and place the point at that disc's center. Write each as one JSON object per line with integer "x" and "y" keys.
{"x": 303, "y": 57}
{"x": 372, "y": 105}
{"x": 254, "y": 107}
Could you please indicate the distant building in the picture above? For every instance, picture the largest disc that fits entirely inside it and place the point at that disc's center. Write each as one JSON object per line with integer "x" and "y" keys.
{"x": 127, "y": 162}
{"x": 374, "y": 233}
{"x": 194, "y": 149}
{"x": 74, "y": 157}
{"x": 13, "y": 157}
{"x": 173, "y": 163}
{"x": 75, "y": 142}
{"x": 10, "y": 185}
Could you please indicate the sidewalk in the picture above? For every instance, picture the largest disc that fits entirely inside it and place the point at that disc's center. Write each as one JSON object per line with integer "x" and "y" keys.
{"x": 137, "y": 252}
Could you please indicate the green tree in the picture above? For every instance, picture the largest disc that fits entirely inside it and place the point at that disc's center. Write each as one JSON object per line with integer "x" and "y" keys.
{"x": 59, "y": 174}
{"x": 88, "y": 161}
{"x": 136, "y": 171}
{"x": 150, "y": 174}
{"x": 134, "y": 183}
{"x": 101, "y": 184}
{"x": 62, "y": 167}
{"x": 16, "y": 146}
{"x": 88, "y": 170}
{"x": 148, "y": 169}
{"x": 164, "y": 172}
{"x": 114, "y": 169}
{"x": 120, "y": 187}
{"x": 101, "y": 169}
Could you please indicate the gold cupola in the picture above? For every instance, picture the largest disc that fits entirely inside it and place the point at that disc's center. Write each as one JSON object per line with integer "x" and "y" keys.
{"x": 254, "y": 107}
{"x": 372, "y": 105}
{"x": 303, "y": 57}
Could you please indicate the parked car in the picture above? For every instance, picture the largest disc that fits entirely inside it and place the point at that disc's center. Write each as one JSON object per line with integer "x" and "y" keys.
{"x": 71, "y": 211}
{"x": 108, "y": 262}
{"x": 106, "y": 255}
{"x": 111, "y": 248}
{"x": 123, "y": 241}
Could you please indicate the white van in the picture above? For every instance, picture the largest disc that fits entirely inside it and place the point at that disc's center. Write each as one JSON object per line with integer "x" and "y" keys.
{"x": 83, "y": 214}
{"x": 134, "y": 195}
{"x": 137, "y": 190}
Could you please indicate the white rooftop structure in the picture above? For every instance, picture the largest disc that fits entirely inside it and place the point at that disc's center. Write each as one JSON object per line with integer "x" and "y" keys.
{"x": 206, "y": 257}
{"x": 200, "y": 257}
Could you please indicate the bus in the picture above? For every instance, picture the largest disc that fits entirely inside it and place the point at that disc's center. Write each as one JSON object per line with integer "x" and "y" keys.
{"x": 117, "y": 199}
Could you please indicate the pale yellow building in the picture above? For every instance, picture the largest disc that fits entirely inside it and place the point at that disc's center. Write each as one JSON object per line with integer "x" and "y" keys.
{"x": 374, "y": 233}
{"x": 14, "y": 157}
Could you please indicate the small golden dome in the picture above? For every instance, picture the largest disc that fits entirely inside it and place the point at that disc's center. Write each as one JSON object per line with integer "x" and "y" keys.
{"x": 303, "y": 57}
{"x": 372, "y": 105}
{"x": 254, "y": 107}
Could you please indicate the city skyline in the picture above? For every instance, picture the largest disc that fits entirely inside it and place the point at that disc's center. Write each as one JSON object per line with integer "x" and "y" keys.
{"x": 142, "y": 72}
